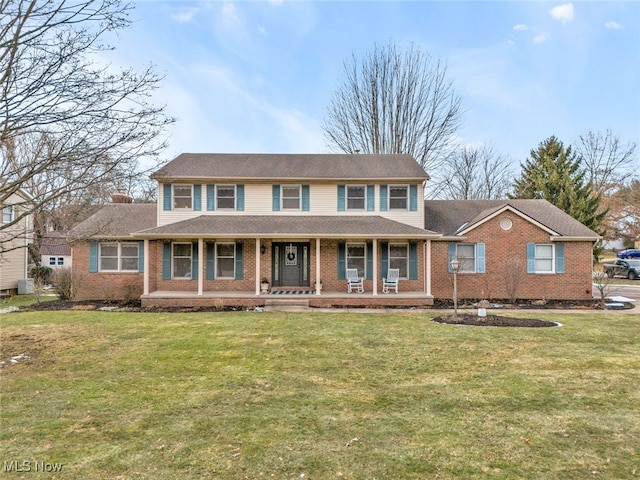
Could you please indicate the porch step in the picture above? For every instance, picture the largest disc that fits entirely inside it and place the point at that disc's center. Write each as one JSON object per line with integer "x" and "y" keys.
{"x": 286, "y": 304}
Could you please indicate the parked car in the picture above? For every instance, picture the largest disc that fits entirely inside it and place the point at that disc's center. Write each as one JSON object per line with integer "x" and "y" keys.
{"x": 623, "y": 268}
{"x": 629, "y": 253}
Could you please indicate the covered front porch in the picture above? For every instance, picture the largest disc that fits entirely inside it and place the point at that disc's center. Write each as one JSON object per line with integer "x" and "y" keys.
{"x": 327, "y": 299}
{"x": 301, "y": 258}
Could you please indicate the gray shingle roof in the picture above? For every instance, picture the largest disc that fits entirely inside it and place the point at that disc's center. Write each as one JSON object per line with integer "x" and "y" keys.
{"x": 247, "y": 167}
{"x": 116, "y": 220}
{"x": 449, "y": 216}
{"x": 54, "y": 244}
{"x": 285, "y": 226}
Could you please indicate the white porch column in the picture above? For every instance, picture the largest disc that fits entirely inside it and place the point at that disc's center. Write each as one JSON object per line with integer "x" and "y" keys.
{"x": 427, "y": 262}
{"x": 201, "y": 263}
{"x": 318, "y": 266}
{"x": 145, "y": 277}
{"x": 375, "y": 266}
{"x": 258, "y": 272}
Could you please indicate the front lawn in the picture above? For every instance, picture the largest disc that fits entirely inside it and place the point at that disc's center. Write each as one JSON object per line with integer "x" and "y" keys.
{"x": 106, "y": 395}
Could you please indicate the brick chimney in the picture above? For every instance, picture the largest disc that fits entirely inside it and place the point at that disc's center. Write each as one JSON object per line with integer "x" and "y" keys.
{"x": 121, "y": 197}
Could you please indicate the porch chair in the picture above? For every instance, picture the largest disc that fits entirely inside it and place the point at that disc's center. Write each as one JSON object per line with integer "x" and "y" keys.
{"x": 391, "y": 281}
{"x": 353, "y": 281}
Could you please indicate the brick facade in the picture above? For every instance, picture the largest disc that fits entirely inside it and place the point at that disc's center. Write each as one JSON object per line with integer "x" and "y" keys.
{"x": 127, "y": 286}
{"x": 507, "y": 250}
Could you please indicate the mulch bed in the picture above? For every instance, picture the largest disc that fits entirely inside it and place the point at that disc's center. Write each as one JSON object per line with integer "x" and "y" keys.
{"x": 493, "y": 321}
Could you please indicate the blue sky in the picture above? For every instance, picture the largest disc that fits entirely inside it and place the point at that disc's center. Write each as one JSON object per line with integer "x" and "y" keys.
{"x": 257, "y": 76}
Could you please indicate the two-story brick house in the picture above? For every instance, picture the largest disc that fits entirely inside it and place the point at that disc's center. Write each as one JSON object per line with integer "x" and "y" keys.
{"x": 225, "y": 222}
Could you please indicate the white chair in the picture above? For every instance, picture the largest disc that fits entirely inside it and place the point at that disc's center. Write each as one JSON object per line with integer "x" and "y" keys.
{"x": 353, "y": 281}
{"x": 391, "y": 281}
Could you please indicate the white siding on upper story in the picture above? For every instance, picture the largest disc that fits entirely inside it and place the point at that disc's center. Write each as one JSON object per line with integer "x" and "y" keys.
{"x": 323, "y": 200}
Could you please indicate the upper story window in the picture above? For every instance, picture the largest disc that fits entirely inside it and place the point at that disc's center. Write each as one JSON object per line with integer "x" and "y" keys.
{"x": 226, "y": 197}
{"x": 356, "y": 197}
{"x": 291, "y": 197}
{"x": 398, "y": 197}
{"x": 117, "y": 257}
{"x": 7, "y": 214}
{"x": 182, "y": 196}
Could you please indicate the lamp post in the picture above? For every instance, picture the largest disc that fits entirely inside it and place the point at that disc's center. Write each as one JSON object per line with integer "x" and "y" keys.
{"x": 455, "y": 266}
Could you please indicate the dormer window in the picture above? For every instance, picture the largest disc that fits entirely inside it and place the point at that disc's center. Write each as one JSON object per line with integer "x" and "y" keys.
{"x": 182, "y": 196}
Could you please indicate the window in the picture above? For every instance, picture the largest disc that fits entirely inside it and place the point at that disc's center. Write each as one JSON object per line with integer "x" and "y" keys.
{"x": 291, "y": 197}
{"x": 52, "y": 261}
{"x": 225, "y": 260}
{"x": 181, "y": 259}
{"x": 226, "y": 196}
{"x": 471, "y": 257}
{"x": 398, "y": 197}
{"x": 61, "y": 261}
{"x": 7, "y": 214}
{"x": 356, "y": 257}
{"x": 182, "y": 196}
{"x": 113, "y": 257}
{"x": 399, "y": 258}
{"x": 356, "y": 197}
{"x": 467, "y": 257}
{"x": 544, "y": 259}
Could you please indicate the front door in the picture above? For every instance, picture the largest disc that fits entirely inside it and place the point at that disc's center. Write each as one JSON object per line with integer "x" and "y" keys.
{"x": 291, "y": 264}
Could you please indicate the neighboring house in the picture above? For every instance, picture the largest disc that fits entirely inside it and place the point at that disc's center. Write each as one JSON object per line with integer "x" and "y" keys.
{"x": 224, "y": 222}
{"x": 55, "y": 251}
{"x": 15, "y": 237}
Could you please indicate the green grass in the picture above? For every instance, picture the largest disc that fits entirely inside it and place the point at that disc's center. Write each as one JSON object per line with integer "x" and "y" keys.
{"x": 24, "y": 300}
{"x": 345, "y": 396}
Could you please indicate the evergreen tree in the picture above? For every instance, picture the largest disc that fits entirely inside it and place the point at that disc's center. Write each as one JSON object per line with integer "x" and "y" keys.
{"x": 555, "y": 174}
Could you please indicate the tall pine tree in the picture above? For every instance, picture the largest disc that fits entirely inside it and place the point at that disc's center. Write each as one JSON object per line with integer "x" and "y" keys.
{"x": 555, "y": 173}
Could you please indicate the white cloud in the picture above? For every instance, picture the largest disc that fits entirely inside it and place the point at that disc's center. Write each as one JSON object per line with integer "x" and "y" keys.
{"x": 520, "y": 27}
{"x": 185, "y": 16}
{"x": 541, "y": 38}
{"x": 229, "y": 13}
{"x": 564, "y": 12}
{"x": 613, "y": 25}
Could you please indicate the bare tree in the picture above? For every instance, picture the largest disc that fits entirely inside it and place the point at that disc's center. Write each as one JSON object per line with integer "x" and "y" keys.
{"x": 514, "y": 272}
{"x": 70, "y": 128}
{"x": 394, "y": 101}
{"x": 606, "y": 159}
{"x": 477, "y": 174}
{"x": 602, "y": 282}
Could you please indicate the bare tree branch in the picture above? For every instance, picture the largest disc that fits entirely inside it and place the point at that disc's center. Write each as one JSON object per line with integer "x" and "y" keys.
{"x": 477, "y": 174}
{"x": 394, "y": 101}
{"x": 71, "y": 131}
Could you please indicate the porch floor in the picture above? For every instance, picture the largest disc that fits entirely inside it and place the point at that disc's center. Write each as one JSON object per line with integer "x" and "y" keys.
{"x": 250, "y": 299}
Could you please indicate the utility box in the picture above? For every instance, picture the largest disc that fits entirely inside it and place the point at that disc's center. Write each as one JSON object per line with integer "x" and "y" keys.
{"x": 25, "y": 286}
